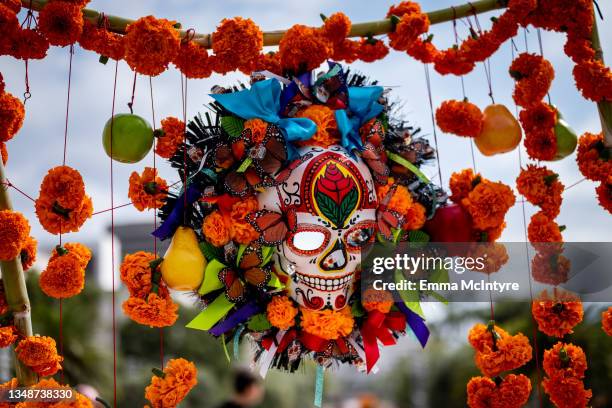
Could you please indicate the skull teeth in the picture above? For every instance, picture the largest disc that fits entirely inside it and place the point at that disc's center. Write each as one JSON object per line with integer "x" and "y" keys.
{"x": 325, "y": 283}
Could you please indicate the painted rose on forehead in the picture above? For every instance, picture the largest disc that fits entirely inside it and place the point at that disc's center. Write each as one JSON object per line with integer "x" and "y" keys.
{"x": 328, "y": 202}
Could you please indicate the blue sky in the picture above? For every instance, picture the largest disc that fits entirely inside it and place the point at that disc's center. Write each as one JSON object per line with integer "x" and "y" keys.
{"x": 39, "y": 145}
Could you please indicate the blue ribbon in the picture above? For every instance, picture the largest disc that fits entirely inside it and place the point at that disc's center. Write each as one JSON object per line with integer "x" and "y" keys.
{"x": 363, "y": 106}
{"x": 319, "y": 383}
{"x": 416, "y": 323}
{"x": 239, "y": 316}
{"x": 174, "y": 220}
{"x": 262, "y": 101}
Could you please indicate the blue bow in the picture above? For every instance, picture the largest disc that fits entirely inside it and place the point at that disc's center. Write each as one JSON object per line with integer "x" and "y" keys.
{"x": 262, "y": 101}
{"x": 363, "y": 106}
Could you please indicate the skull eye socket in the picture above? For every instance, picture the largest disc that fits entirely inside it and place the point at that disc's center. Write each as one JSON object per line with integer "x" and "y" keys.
{"x": 308, "y": 240}
{"x": 358, "y": 236}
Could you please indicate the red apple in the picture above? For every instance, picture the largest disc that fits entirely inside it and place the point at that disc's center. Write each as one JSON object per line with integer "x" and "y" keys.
{"x": 450, "y": 224}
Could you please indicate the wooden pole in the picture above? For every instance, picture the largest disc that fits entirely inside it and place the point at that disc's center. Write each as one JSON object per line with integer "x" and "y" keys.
{"x": 16, "y": 292}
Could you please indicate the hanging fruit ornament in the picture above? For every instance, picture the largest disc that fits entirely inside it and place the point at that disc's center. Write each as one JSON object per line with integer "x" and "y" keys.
{"x": 132, "y": 138}
{"x": 183, "y": 265}
{"x": 566, "y": 138}
{"x": 450, "y": 223}
{"x": 501, "y": 132}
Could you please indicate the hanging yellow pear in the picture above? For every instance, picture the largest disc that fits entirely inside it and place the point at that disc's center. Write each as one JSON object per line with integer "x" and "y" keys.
{"x": 183, "y": 265}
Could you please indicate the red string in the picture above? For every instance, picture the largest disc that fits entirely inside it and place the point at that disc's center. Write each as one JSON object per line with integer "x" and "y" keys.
{"x": 131, "y": 102}
{"x": 184, "y": 102}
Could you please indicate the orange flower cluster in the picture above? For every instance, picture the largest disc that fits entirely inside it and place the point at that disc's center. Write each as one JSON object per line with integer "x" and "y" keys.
{"x": 512, "y": 392}
{"x": 497, "y": 351}
{"x": 40, "y": 354}
{"x": 402, "y": 202}
{"x": 167, "y": 390}
{"x": 461, "y": 118}
{"x": 550, "y": 267}
{"x": 62, "y": 205}
{"x": 592, "y": 158}
{"x": 214, "y": 229}
{"x": 12, "y": 113}
{"x": 28, "y": 253}
{"x": 65, "y": 273}
{"x": 147, "y": 190}
{"x": 541, "y": 187}
{"x": 327, "y": 128}
{"x": 327, "y": 324}
{"x": 3, "y": 153}
{"x": 14, "y": 233}
{"x": 604, "y": 194}
{"x": 193, "y": 60}
{"x": 61, "y": 22}
{"x": 557, "y": 316}
{"x": 149, "y": 303}
{"x": 281, "y": 312}
{"x": 8, "y": 335}
{"x": 150, "y": 45}
{"x": 494, "y": 254}
{"x": 533, "y": 75}
{"x": 565, "y": 365}
{"x": 26, "y": 43}
{"x": 606, "y": 321}
{"x": 255, "y": 130}
{"x": 594, "y": 80}
{"x": 170, "y": 137}
{"x": 412, "y": 23}
{"x": 100, "y": 40}
{"x": 237, "y": 43}
{"x": 543, "y": 229}
{"x": 539, "y": 122}
{"x": 303, "y": 48}
{"x": 219, "y": 228}
{"x": 379, "y": 300}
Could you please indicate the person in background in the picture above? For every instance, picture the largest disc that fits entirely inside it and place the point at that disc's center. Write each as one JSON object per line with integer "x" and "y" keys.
{"x": 248, "y": 391}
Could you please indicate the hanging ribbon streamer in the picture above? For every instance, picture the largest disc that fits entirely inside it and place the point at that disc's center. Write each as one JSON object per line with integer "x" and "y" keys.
{"x": 239, "y": 316}
{"x": 319, "y": 383}
{"x": 415, "y": 170}
{"x": 237, "y": 342}
{"x": 416, "y": 323}
{"x": 379, "y": 327}
{"x": 174, "y": 220}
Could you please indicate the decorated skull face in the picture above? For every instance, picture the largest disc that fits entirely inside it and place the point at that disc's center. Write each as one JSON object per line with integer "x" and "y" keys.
{"x": 334, "y": 202}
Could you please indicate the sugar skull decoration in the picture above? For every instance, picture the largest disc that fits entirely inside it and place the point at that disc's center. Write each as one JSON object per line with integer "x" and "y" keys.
{"x": 332, "y": 197}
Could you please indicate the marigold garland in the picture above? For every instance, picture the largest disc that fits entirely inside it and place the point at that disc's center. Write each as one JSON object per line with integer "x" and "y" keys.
{"x": 303, "y": 48}
{"x": 488, "y": 204}
{"x": 40, "y": 354}
{"x": 147, "y": 190}
{"x": 12, "y": 113}
{"x": 565, "y": 360}
{"x": 327, "y": 128}
{"x": 592, "y": 160}
{"x": 79, "y": 250}
{"x": 150, "y": 45}
{"x": 538, "y": 122}
{"x": 534, "y": 75}
{"x": 594, "y": 80}
{"x": 281, "y": 312}
{"x": 567, "y": 392}
{"x": 100, "y": 40}
{"x": 327, "y": 324}
{"x": 14, "y": 234}
{"x": 8, "y": 335}
{"x": 558, "y": 315}
{"x": 29, "y": 44}
{"x": 215, "y": 230}
{"x": 237, "y": 43}
{"x": 461, "y": 118}
{"x": 411, "y": 25}
{"x": 135, "y": 273}
{"x": 606, "y": 321}
{"x": 154, "y": 311}
{"x": 28, "y": 253}
{"x": 336, "y": 28}
{"x": 541, "y": 187}
{"x": 64, "y": 276}
{"x": 604, "y": 194}
{"x": 61, "y": 23}
{"x": 56, "y": 221}
{"x": 64, "y": 185}
{"x": 371, "y": 50}
{"x": 512, "y": 392}
{"x": 192, "y": 60}
{"x": 550, "y": 267}
{"x": 167, "y": 391}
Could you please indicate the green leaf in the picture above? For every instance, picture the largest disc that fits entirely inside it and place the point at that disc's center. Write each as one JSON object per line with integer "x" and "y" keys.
{"x": 259, "y": 323}
{"x": 328, "y": 207}
{"x": 418, "y": 236}
{"x": 233, "y": 125}
{"x": 209, "y": 251}
{"x": 347, "y": 206}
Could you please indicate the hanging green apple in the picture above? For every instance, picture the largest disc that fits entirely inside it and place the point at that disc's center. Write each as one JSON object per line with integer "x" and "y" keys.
{"x": 132, "y": 138}
{"x": 501, "y": 132}
{"x": 183, "y": 265}
{"x": 566, "y": 138}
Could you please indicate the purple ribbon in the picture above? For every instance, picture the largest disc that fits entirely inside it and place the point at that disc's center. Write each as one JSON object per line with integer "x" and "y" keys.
{"x": 175, "y": 219}
{"x": 239, "y": 316}
{"x": 416, "y": 323}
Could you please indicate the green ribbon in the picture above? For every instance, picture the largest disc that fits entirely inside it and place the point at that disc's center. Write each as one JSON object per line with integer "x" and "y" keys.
{"x": 212, "y": 314}
{"x": 400, "y": 160}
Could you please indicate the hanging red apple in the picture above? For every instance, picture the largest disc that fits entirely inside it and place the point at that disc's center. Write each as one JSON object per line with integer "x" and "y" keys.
{"x": 501, "y": 132}
{"x": 450, "y": 224}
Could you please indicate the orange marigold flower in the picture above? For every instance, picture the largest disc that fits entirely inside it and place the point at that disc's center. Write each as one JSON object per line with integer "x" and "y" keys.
{"x": 28, "y": 44}
{"x": 423, "y": 51}
{"x": 241, "y": 230}
{"x": 606, "y": 321}
{"x": 488, "y": 204}
{"x": 565, "y": 360}
{"x": 303, "y": 49}
{"x": 99, "y": 39}
{"x": 327, "y": 128}
{"x": 77, "y": 249}
{"x": 8, "y": 335}
{"x": 347, "y": 51}
{"x": 269, "y": 62}
{"x": 372, "y": 50}
{"x": 461, "y": 183}
{"x": 415, "y": 217}
{"x": 550, "y": 268}
{"x": 379, "y": 300}
{"x": 3, "y": 153}
{"x": 591, "y": 157}
{"x": 172, "y": 134}
{"x": 136, "y": 273}
{"x": 481, "y": 392}
{"x": 336, "y": 28}
{"x": 237, "y": 43}
{"x": 57, "y": 220}
{"x": 8, "y": 21}
{"x": 28, "y": 253}
{"x": 147, "y": 190}
{"x": 594, "y": 80}
{"x": 453, "y": 61}
{"x": 533, "y": 74}
{"x": 327, "y": 324}
{"x": 281, "y": 312}
{"x": 459, "y": 117}
{"x": 256, "y": 130}
{"x": 64, "y": 185}
{"x": 512, "y": 392}
{"x": 14, "y": 5}
{"x": 539, "y": 124}
{"x": 567, "y": 392}
{"x": 215, "y": 230}
{"x": 150, "y": 45}
{"x": 40, "y": 354}
{"x": 14, "y": 233}
{"x": 604, "y": 194}
{"x": 192, "y": 60}
{"x": 412, "y": 24}
{"x": 12, "y": 113}
{"x": 541, "y": 186}
{"x": 168, "y": 390}
{"x": 481, "y": 47}
{"x": 543, "y": 229}
{"x": 61, "y": 22}
{"x": 64, "y": 276}
{"x": 494, "y": 254}
{"x": 4, "y": 307}
{"x": 557, "y": 316}
{"x": 579, "y": 49}
{"x": 154, "y": 311}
